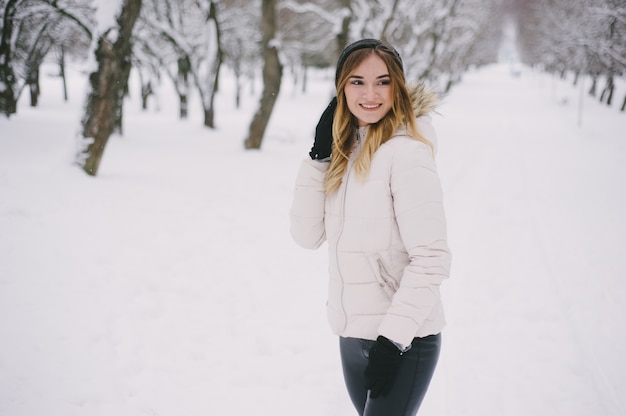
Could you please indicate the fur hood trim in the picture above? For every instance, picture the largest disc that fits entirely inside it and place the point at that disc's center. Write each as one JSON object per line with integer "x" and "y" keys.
{"x": 425, "y": 100}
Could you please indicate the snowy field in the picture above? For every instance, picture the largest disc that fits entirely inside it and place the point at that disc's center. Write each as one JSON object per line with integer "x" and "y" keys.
{"x": 169, "y": 284}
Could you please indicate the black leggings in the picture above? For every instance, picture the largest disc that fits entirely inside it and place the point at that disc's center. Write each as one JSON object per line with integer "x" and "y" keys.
{"x": 409, "y": 388}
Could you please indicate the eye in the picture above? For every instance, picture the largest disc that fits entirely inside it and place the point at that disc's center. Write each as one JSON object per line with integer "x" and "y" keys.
{"x": 356, "y": 82}
{"x": 384, "y": 82}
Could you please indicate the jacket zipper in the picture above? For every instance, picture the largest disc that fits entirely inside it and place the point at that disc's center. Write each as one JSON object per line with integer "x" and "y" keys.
{"x": 343, "y": 216}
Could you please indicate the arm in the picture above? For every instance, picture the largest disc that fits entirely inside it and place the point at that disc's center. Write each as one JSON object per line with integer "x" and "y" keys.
{"x": 307, "y": 208}
{"x": 418, "y": 206}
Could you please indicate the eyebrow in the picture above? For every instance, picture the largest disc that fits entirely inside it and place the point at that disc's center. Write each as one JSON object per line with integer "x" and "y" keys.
{"x": 378, "y": 77}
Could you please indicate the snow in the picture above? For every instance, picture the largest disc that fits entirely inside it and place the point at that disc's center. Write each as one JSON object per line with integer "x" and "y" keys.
{"x": 107, "y": 12}
{"x": 169, "y": 285}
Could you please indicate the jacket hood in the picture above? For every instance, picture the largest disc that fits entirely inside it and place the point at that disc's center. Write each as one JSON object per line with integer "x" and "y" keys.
{"x": 425, "y": 100}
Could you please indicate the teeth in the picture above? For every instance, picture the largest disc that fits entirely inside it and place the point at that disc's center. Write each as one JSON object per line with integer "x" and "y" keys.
{"x": 369, "y": 106}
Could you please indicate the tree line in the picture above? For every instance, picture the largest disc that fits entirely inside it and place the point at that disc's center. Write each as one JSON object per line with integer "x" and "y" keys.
{"x": 577, "y": 36}
{"x": 188, "y": 41}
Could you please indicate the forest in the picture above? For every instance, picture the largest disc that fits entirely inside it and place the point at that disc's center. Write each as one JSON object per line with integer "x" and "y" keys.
{"x": 187, "y": 42}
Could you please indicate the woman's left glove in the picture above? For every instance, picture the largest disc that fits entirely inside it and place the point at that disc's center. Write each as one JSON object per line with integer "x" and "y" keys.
{"x": 384, "y": 363}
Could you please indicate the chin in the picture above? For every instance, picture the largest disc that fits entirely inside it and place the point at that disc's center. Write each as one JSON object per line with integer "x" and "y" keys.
{"x": 371, "y": 120}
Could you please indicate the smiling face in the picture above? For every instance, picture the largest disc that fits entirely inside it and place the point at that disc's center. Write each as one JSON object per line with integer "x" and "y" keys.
{"x": 368, "y": 90}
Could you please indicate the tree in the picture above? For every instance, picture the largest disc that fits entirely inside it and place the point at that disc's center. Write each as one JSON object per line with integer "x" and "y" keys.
{"x": 30, "y": 30}
{"x": 164, "y": 38}
{"x": 8, "y": 100}
{"x": 313, "y": 34}
{"x": 207, "y": 70}
{"x": 579, "y": 36}
{"x": 241, "y": 40}
{"x": 272, "y": 77}
{"x": 183, "y": 38}
{"x": 107, "y": 84}
{"x": 438, "y": 39}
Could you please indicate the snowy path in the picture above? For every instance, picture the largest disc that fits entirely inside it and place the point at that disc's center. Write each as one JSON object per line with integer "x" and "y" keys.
{"x": 537, "y": 228}
{"x": 169, "y": 285}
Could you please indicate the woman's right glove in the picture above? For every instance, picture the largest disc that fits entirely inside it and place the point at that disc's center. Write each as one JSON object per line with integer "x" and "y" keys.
{"x": 381, "y": 371}
{"x": 323, "y": 144}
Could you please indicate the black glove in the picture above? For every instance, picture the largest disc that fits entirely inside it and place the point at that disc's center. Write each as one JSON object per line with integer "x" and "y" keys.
{"x": 384, "y": 362}
{"x": 323, "y": 144}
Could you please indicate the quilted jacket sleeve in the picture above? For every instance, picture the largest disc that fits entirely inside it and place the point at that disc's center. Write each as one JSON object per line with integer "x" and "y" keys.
{"x": 307, "y": 208}
{"x": 419, "y": 212}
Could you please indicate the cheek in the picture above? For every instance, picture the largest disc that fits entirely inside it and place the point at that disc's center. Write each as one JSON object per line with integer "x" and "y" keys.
{"x": 388, "y": 100}
{"x": 351, "y": 101}
{"x": 350, "y": 94}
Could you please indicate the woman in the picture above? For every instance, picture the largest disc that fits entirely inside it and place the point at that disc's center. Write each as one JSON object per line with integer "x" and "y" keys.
{"x": 372, "y": 191}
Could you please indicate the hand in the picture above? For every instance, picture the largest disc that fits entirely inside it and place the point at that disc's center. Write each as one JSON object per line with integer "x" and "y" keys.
{"x": 384, "y": 362}
{"x": 323, "y": 144}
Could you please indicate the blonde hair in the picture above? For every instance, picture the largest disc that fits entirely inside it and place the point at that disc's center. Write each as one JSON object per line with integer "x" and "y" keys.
{"x": 401, "y": 115}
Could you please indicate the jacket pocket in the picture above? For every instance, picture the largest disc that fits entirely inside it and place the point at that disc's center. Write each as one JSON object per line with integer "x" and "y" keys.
{"x": 384, "y": 279}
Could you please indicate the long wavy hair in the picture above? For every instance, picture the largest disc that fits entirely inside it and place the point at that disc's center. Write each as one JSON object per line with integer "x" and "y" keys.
{"x": 401, "y": 115}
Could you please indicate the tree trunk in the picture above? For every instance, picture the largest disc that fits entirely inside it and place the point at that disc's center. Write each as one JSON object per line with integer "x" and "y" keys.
{"x": 107, "y": 85}
{"x": 146, "y": 92}
{"x": 209, "y": 111}
{"x": 118, "y": 126}
{"x": 146, "y": 89}
{"x": 237, "y": 89}
{"x": 236, "y": 67}
{"x": 8, "y": 100}
{"x": 608, "y": 90}
{"x": 594, "y": 84}
{"x": 33, "y": 85}
{"x": 182, "y": 85}
{"x": 182, "y": 102}
{"x": 209, "y": 117}
{"x": 272, "y": 77}
{"x": 62, "y": 72}
{"x": 121, "y": 94}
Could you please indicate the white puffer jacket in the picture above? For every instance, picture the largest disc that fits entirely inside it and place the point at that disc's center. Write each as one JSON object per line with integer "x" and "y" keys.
{"x": 386, "y": 237}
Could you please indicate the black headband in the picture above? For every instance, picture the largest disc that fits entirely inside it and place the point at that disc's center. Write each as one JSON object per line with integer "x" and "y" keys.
{"x": 363, "y": 44}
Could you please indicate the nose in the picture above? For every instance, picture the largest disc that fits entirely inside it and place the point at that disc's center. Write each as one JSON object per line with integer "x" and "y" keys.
{"x": 369, "y": 91}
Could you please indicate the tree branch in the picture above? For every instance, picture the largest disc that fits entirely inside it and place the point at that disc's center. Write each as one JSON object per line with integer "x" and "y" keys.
{"x": 70, "y": 16}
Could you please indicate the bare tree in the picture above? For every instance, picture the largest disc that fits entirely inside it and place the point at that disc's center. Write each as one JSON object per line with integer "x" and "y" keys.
{"x": 272, "y": 77}
{"x": 107, "y": 86}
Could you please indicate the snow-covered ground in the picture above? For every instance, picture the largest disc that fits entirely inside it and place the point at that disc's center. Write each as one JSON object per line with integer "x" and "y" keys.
{"x": 169, "y": 285}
